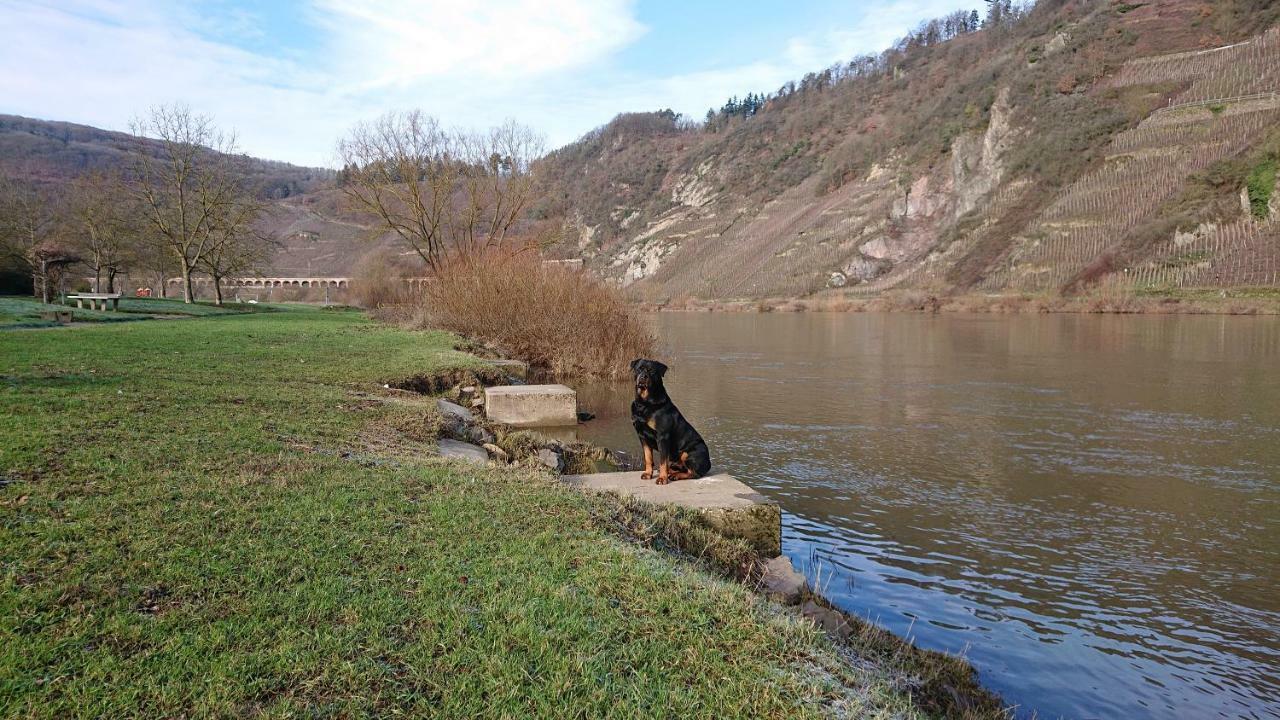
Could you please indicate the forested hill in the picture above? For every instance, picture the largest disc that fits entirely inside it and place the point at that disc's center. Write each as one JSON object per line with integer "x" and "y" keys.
{"x": 54, "y": 152}
{"x": 1048, "y": 149}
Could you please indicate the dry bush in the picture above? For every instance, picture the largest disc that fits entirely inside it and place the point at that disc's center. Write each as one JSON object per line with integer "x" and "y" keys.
{"x": 378, "y": 281}
{"x": 555, "y": 318}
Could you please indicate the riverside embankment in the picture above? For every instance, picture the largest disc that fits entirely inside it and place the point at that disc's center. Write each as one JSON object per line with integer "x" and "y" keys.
{"x": 231, "y": 516}
{"x": 1206, "y": 301}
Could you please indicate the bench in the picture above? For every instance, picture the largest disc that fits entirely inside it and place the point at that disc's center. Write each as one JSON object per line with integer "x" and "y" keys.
{"x": 96, "y": 300}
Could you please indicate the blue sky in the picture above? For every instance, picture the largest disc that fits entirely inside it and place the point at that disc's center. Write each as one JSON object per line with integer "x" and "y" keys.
{"x": 291, "y": 77}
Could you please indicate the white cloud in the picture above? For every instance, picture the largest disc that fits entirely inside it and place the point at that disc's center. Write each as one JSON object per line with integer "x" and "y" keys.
{"x": 483, "y": 39}
{"x": 471, "y": 62}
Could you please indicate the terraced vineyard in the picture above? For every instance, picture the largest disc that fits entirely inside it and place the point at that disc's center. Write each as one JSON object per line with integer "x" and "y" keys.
{"x": 1233, "y": 98}
{"x": 1245, "y": 253}
{"x": 1241, "y": 70}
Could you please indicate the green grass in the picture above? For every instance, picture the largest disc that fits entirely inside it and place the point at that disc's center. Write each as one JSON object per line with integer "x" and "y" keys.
{"x": 218, "y": 518}
{"x": 25, "y": 311}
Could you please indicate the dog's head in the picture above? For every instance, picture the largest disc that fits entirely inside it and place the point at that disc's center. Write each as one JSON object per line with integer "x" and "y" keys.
{"x": 649, "y": 378}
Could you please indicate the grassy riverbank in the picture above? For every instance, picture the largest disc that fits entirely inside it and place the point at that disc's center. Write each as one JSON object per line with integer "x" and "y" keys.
{"x": 219, "y": 517}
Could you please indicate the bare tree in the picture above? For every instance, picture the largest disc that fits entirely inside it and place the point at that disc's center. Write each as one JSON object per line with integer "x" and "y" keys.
{"x": 238, "y": 246}
{"x": 445, "y": 194}
{"x": 30, "y": 235}
{"x": 191, "y": 188}
{"x": 103, "y": 220}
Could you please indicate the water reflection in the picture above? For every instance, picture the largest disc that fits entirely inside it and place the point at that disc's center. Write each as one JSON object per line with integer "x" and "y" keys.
{"x": 1086, "y": 506}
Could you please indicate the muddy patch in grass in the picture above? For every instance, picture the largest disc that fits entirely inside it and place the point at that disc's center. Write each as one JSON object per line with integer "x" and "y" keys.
{"x": 439, "y": 382}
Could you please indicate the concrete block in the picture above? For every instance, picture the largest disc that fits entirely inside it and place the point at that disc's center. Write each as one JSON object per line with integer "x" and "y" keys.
{"x": 531, "y": 405}
{"x": 729, "y": 506}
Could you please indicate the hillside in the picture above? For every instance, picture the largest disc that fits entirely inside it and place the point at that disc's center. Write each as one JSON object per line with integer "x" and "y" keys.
{"x": 1078, "y": 143}
{"x": 304, "y": 214}
{"x": 53, "y": 152}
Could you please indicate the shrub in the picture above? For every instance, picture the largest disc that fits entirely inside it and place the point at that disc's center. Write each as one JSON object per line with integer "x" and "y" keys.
{"x": 554, "y": 318}
{"x": 1260, "y": 184}
{"x": 378, "y": 281}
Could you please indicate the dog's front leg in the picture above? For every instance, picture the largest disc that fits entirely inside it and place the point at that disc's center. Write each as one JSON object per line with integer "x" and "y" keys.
{"x": 664, "y": 462}
{"x": 664, "y": 473}
{"x": 648, "y": 461}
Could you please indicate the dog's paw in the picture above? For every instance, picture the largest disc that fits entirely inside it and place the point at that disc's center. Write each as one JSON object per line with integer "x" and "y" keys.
{"x": 662, "y": 480}
{"x": 646, "y": 475}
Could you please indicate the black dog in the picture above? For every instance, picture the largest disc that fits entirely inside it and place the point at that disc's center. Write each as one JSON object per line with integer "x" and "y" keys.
{"x": 682, "y": 454}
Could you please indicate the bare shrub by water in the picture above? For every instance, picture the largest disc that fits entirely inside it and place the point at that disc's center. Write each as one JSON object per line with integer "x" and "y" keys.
{"x": 552, "y": 317}
{"x": 378, "y": 281}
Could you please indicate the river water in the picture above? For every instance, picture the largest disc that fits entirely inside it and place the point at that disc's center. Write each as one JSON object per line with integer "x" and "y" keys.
{"x": 1087, "y": 507}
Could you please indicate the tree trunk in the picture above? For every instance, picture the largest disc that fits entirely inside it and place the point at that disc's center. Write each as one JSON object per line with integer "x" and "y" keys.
{"x": 97, "y": 280}
{"x": 111, "y": 280}
{"x": 44, "y": 282}
{"x": 217, "y": 290}
{"x": 188, "y": 292}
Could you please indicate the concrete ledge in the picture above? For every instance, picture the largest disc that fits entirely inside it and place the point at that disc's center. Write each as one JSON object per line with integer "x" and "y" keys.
{"x": 531, "y": 405}
{"x": 729, "y": 506}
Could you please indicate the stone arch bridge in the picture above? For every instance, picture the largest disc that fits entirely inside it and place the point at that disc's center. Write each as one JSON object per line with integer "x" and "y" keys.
{"x": 272, "y": 282}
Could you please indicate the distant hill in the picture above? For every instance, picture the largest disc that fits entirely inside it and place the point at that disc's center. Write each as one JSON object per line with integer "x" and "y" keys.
{"x": 52, "y": 152}
{"x": 1082, "y": 142}
{"x": 306, "y": 213}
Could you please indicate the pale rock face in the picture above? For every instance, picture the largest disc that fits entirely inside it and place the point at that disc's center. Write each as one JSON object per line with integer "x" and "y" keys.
{"x": 877, "y": 171}
{"x": 694, "y": 190}
{"x": 1059, "y": 42}
{"x": 837, "y": 280}
{"x": 861, "y": 269}
{"x": 920, "y": 200}
{"x": 644, "y": 254}
{"x": 586, "y": 233}
{"x": 642, "y": 259}
{"x": 975, "y": 163}
{"x": 1181, "y": 239}
{"x": 876, "y": 248}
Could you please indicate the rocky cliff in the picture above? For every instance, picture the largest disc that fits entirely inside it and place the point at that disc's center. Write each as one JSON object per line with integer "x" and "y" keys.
{"x": 1086, "y": 143}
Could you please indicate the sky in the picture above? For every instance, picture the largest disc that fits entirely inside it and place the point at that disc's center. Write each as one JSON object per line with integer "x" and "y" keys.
{"x": 292, "y": 77}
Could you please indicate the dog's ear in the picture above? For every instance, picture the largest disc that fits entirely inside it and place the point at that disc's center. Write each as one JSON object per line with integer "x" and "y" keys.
{"x": 662, "y": 369}
{"x": 635, "y": 365}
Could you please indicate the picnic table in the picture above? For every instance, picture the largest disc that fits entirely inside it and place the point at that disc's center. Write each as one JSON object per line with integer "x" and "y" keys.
{"x": 96, "y": 299}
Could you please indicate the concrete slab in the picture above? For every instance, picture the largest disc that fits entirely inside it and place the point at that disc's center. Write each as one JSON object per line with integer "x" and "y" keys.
{"x": 729, "y": 506}
{"x": 531, "y": 405}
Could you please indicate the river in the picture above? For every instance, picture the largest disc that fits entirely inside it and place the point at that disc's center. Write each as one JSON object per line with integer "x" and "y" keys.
{"x": 1087, "y": 507}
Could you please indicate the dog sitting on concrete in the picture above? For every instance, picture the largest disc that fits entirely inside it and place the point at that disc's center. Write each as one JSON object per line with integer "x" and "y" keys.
{"x": 668, "y": 440}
